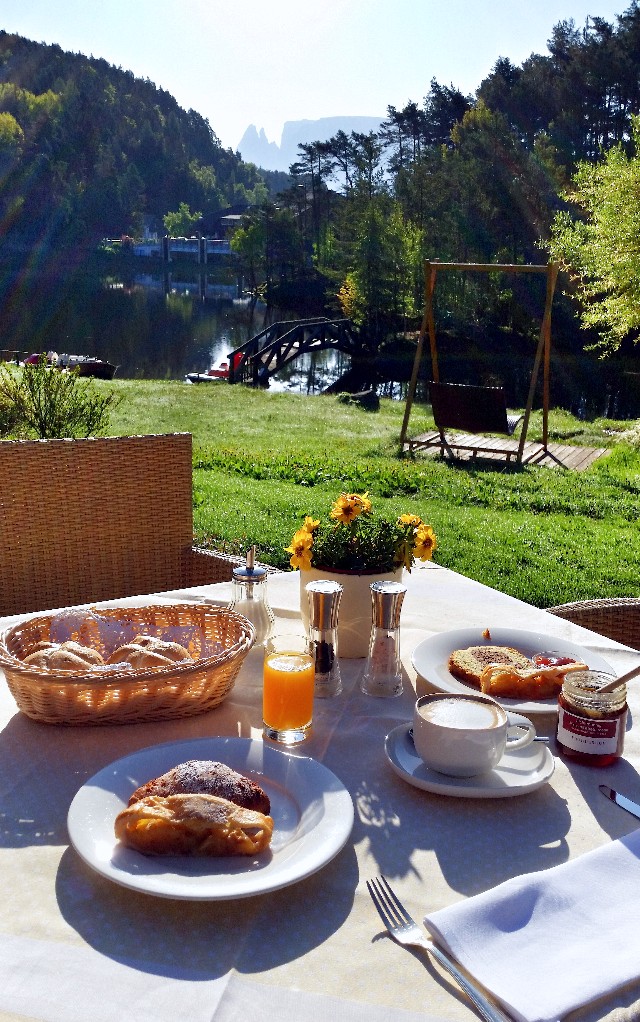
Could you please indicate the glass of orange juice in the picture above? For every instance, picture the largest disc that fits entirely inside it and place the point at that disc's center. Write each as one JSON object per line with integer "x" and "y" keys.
{"x": 288, "y": 685}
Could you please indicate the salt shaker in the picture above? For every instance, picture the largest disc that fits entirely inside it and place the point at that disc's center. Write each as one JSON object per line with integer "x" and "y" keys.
{"x": 383, "y": 671}
{"x": 249, "y": 597}
{"x": 324, "y": 604}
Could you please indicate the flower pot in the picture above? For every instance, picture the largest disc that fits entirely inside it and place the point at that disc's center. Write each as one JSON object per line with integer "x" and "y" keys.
{"x": 354, "y": 621}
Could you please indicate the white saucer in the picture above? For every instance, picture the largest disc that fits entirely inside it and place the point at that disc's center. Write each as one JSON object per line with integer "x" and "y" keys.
{"x": 518, "y": 772}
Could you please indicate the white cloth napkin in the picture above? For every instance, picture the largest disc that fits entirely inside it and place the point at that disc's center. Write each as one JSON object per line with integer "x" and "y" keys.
{"x": 552, "y": 941}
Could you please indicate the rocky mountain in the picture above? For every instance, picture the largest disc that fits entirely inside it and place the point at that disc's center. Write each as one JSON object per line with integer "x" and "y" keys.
{"x": 254, "y": 146}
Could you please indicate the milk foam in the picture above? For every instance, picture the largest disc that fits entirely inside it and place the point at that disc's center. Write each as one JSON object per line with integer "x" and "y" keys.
{"x": 465, "y": 714}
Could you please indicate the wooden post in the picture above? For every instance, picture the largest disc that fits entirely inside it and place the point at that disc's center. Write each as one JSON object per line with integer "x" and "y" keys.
{"x": 430, "y": 275}
{"x": 427, "y": 325}
{"x": 552, "y": 277}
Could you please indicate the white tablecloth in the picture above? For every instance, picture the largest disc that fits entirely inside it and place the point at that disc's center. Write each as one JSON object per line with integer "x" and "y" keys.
{"x": 75, "y": 946}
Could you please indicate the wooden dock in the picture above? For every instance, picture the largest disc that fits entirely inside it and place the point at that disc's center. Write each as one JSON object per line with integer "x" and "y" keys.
{"x": 467, "y": 447}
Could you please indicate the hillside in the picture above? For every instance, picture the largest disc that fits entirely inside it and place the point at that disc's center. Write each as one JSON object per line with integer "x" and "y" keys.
{"x": 88, "y": 150}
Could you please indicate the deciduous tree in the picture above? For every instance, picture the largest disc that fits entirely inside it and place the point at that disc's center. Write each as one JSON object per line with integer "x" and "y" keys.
{"x": 182, "y": 222}
{"x": 600, "y": 244}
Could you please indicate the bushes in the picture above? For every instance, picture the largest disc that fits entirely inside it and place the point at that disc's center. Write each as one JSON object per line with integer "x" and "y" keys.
{"x": 41, "y": 400}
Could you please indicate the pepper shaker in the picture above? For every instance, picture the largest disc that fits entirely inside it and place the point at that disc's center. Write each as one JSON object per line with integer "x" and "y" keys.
{"x": 324, "y": 604}
{"x": 249, "y": 597}
{"x": 383, "y": 671}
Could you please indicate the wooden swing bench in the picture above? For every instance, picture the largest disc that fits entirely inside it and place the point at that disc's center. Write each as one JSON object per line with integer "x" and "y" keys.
{"x": 478, "y": 410}
{"x": 475, "y": 410}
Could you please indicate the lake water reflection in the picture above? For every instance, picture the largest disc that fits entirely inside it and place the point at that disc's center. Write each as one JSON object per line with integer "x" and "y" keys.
{"x": 153, "y": 326}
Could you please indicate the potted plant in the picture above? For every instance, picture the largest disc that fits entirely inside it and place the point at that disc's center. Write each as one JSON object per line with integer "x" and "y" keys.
{"x": 356, "y": 547}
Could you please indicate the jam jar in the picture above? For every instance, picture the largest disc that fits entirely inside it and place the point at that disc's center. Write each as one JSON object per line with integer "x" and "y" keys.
{"x": 591, "y": 723}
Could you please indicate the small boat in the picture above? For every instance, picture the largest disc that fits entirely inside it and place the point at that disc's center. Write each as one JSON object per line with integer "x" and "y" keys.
{"x": 220, "y": 371}
{"x": 85, "y": 365}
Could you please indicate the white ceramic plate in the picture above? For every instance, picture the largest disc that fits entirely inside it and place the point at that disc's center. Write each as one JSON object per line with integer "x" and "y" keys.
{"x": 518, "y": 772}
{"x": 312, "y": 813}
{"x": 431, "y": 656}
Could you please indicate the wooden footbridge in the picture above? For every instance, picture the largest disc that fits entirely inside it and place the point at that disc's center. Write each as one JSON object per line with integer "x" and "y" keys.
{"x": 280, "y": 343}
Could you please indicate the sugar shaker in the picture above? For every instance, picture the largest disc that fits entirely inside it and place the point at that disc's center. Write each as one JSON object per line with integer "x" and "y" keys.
{"x": 383, "y": 671}
{"x": 249, "y": 597}
{"x": 324, "y": 605}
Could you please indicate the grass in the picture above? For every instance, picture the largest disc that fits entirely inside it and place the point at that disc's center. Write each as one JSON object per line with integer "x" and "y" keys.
{"x": 262, "y": 460}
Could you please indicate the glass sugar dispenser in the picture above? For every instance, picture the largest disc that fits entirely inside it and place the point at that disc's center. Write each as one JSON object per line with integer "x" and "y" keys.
{"x": 249, "y": 597}
{"x": 324, "y": 598}
{"x": 383, "y": 671}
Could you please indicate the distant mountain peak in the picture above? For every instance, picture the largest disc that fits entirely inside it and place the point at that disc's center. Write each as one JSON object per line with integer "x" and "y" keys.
{"x": 256, "y": 142}
{"x": 254, "y": 146}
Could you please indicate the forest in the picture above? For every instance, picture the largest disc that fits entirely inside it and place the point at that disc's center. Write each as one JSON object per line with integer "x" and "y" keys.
{"x": 481, "y": 178}
{"x": 88, "y": 151}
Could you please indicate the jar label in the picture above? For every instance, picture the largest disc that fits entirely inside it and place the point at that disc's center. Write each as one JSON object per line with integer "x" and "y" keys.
{"x": 589, "y": 735}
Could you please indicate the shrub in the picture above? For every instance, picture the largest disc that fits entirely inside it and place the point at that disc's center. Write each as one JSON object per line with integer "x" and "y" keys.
{"x": 50, "y": 403}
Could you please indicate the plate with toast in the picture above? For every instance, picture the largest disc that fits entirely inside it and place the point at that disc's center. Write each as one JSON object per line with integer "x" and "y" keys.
{"x": 499, "y": 661}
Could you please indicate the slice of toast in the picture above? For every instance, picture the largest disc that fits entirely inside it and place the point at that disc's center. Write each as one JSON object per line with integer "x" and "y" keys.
{"x": 468, "y": 664}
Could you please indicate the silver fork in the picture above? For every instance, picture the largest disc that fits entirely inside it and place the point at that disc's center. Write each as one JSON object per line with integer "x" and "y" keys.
{"x": 405, "y": 931}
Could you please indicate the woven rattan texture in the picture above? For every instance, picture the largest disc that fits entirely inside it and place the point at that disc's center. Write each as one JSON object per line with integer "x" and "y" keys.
{"x": 217, "y": 640}
{"x": 618, "y": 619}
{"x": 98, "y": 519}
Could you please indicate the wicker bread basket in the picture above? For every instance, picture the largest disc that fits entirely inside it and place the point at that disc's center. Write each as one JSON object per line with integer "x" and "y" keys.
{"x": 217, "y": 640}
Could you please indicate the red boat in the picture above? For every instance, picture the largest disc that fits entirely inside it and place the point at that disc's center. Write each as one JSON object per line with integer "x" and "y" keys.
{"x": 220, "y": 371}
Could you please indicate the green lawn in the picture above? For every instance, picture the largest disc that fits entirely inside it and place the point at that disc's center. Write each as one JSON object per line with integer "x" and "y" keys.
{"x": 262, "y": 460}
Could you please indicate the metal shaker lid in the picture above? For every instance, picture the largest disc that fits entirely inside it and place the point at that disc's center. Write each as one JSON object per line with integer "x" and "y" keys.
{"x": 324, "y": 603}
{"x": 248, "y": 572}
{"x": 244, "y": 574}
{"x": 386, "y": 603}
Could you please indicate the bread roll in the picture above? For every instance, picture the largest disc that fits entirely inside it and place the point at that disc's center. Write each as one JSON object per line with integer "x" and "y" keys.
{"x": 138, "y": 657}
{"x": 148, "y": 651}
{"x": 192, "y": 825}
{"x": 63, "y": 656}
{"x": 172, "y": 650}
{"x": 206, "y": 777}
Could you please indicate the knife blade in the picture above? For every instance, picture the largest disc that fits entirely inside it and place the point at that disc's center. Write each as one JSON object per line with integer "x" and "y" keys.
{"x": 621, "y": 800}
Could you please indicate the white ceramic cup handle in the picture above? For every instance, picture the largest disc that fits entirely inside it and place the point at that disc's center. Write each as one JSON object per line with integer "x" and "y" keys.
{"x": 516, "y": 722}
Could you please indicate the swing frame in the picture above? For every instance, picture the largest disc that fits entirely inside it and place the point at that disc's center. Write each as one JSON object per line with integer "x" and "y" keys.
{"x": 542, "y": 355}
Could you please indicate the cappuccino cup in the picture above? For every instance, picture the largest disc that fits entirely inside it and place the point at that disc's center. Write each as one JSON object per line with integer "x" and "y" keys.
{"x": 464, "y": 735}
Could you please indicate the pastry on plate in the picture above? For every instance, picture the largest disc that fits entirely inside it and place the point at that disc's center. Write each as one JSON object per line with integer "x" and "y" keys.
{"x": 202, "y": 825}
{"x": 206, "y": 777}
{"x": 503, "y": 671}
{"x": 525, "y": 683}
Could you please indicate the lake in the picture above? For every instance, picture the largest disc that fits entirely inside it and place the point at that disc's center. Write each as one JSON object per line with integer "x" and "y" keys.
{"x": 158, "y": 326}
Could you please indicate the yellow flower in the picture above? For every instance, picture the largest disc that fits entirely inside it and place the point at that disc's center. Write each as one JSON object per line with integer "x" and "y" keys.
{"x": 348, "y": 506}
{"x": 425, "y": 543}
{"x": 368, "y": 543}
{"x": 300, "y": 549}
{"x": 413, "y": 520}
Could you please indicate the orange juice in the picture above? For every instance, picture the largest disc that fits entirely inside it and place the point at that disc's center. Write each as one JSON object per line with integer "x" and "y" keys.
{"x": 287, "y": 698}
